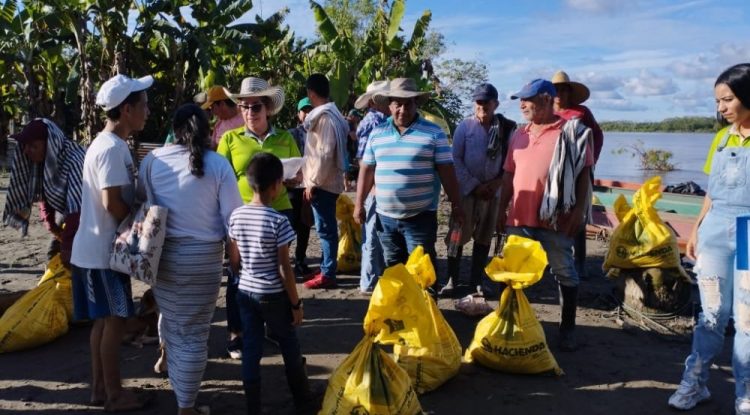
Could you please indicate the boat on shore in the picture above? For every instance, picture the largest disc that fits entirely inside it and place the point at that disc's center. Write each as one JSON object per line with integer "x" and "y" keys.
{"x": 678, "y": 211}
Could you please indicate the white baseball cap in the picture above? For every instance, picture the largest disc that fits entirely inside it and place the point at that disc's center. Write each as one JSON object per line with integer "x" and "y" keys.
{"x": 116, "y": 89}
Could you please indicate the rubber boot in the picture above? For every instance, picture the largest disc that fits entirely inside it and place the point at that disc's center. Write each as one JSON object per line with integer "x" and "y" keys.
{"x": 568, "y": 303}
{"x": 252, "y": 398}
{"x": 299, "y": 385}
{"x": 454, "y": 267}
{"x": 479, "y": 279}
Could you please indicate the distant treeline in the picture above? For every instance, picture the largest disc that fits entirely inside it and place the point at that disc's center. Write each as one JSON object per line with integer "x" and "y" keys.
{"x": 677, "y": 124}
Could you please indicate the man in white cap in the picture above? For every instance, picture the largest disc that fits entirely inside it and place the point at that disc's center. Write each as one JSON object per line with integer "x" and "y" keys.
{"x": 99, "y": 293}
{"x": 372, "y": 253}
{"x": 407, "y": 160}
{"x": 546, "y": 183}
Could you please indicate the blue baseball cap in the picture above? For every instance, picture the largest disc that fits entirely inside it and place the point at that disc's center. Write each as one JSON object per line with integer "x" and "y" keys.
{"x": 534, "y": 88}
{"x": 484, "y": 92}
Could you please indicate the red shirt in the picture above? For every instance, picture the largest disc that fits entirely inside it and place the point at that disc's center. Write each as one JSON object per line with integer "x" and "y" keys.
{"x": 587, "y": 118}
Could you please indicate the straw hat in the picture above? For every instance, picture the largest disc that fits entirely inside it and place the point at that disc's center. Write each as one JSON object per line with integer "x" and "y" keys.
{"x": 401, "y": 88}
{"x": 214, "y": 94}
{"x": 578, "y": 91}
{"x": 364, "y": 99}
{"x": 256, "y": 87}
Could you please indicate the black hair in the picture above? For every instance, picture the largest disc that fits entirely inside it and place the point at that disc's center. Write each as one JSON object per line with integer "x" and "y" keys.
{"x": 264, "y": 170}
{"x": 191, "y": 129}
{"x": 318, "y": 83}
{"x": 229, "y": 103}
{"x": 737, "y": 78}
{"x": 132, "y": 99}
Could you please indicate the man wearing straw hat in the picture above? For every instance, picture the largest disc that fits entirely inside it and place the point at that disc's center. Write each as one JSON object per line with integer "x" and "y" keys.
{"x": 372, "y": 253}
{"x": 570, "y": 96}
{"x": 407, "y": 159}
{"x": 547, "y": 177}
{"x": 326, "y": 160}
{"x": 228, "y": 116}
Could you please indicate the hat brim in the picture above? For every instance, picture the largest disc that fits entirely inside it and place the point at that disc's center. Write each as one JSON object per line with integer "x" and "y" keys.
{"x": 142, "y": 84}
{"x": 363, "y": 101}
{"x": 383, "y": 98}
{"x": 579, "y": 92}
{"x": 275, "y": 93}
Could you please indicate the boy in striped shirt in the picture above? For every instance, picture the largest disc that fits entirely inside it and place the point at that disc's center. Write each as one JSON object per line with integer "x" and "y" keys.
{"x": 259, "y": 252}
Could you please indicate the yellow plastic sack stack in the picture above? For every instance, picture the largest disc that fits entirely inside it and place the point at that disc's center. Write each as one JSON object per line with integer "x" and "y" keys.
{"x": 42, "y": 314}
{"x": 642, "y": 240}
{"x": 423, "y": 342}
{"x": 350, "y": 236}
{"x": 511, "y": 339}
{"x": 369, "y": 381}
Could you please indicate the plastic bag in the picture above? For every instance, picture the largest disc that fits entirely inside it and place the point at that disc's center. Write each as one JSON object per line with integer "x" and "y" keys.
{"x": 423, "y": 342}
{"x": 511, "y": 339}
{"x": 42, "y": 314}
{"x": 350, "y": 236}
{"x": 642, "y": 240}
{"x": 368, "y": 381}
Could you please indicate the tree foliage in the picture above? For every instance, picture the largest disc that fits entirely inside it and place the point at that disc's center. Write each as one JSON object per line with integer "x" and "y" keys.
{"x": 649, "y": 159}
{"x": 677, "y": 124}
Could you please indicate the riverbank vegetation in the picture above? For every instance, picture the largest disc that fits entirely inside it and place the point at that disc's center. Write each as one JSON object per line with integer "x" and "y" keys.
{"x": 649, "y": 158}
{"x": 676, "y": 124}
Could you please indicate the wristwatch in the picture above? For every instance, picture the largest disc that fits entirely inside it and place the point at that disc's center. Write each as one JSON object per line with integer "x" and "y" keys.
{"x": 298, "y": 305}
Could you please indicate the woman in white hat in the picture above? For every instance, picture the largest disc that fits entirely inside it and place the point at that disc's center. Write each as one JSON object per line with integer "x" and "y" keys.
{"x": 258, "y": 101}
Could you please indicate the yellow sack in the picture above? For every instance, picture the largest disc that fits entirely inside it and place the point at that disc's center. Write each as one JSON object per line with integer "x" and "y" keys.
{"x": 42, "y": 314}
{"x": 350, "y": 236}
{"x": 423, "y": 342}
{"x": 511, "y": 339}
{"x": 642, "y": 240}
{"x": 368, "y": 381}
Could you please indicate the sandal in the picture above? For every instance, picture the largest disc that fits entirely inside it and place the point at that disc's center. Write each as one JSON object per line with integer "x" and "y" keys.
{"x": 473, "y": 306}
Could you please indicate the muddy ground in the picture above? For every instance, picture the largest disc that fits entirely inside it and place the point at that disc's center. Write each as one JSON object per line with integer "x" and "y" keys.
{"x": 620, "y": 368}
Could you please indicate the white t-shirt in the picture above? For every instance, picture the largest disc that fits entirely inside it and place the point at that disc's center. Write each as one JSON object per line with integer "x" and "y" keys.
{"x": 199, "y": 207}
{"x": 108, "y": 163}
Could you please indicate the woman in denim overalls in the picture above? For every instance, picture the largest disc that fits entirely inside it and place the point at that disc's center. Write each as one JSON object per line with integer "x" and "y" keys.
{"x": 724, "y": 290}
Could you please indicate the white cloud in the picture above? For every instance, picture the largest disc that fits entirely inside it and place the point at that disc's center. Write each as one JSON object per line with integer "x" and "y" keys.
{"x": 597, "y": 81}
{"x": 695, "y": 101}
{"x": 698, "y": 67}
{"x": 648, "y": 83}
{"x": 599, "y": 6}
{"x": 731, "y": 53}
{"x": 615, "y": 105}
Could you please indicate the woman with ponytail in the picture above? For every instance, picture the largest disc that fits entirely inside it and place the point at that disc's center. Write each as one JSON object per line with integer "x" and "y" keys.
{"x": 200, "y": 190}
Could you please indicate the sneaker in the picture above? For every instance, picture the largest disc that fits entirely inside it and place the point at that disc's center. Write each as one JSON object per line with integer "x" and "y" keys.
{"x": 688, "y": 395}
{"x": 320, "y": 281}
{"x": 303, "y": 271}
{"x": 234, "y": 348}
{"x": 742, "y": 406}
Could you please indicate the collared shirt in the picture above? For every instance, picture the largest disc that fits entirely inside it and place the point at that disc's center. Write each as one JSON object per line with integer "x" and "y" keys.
{"x": 406, "y": 180}
{"x": 473, "y": 167}
{"x": 529, "y": 158}
{"x": 734, "y": 140}
{"x": 372, "y": 119}
{"x": 321, "y": 166}
{"x": 223, "y": 126}
{"x": 240, "y": 145}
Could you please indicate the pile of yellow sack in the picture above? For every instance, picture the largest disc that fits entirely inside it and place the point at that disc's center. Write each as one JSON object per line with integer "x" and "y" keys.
{"x": 42, "y": 314}
{"x": 350, "y": 236}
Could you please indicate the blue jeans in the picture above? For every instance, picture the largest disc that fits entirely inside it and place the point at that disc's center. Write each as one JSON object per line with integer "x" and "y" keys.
{"x": 324, "y": 210}
{"x": 724, "y": 291}
{"x": 399, "y": 237}
{"x": 234, "y": 322}
{"x": 275, "y": 311}
{"x": 372, "y": 253}
{"x": 559, "y": 249}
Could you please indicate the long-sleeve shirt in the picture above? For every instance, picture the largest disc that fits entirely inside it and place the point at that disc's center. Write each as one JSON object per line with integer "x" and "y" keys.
{"x": 371, "y": 120}
{"x": 321, "y": 158}
{"x": 587, "y": 118}
{"x": 473, "y": 166}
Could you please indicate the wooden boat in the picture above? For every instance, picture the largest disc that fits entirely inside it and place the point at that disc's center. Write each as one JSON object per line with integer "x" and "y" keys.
{"x": 678, "y": 211}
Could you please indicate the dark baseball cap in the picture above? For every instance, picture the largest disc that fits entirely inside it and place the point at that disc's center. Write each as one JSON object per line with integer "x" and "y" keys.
{"x": 35, "y": 130}
{"x": 484, "y": 92}
{"x": 534, "y": 88}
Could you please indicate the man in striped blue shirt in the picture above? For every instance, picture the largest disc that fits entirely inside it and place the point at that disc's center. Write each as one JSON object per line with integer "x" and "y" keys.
{"x": 407, "y": 158}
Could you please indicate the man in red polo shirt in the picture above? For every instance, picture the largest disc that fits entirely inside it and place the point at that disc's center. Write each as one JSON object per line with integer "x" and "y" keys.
{"x": 545, "y": 206}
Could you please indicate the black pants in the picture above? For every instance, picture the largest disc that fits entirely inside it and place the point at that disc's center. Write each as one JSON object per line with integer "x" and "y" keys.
{"x": 302, "y": 230}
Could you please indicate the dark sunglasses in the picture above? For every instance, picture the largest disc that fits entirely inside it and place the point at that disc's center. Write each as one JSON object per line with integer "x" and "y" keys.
{"x": 252, "y": 108}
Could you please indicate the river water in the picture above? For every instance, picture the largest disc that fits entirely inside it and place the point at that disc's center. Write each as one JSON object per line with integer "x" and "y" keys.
{"x": 689, "y": 154}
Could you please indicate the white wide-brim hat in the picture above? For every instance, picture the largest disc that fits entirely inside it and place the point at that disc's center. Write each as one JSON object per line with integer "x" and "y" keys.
{"x": 578, "y": 91}
{"x": 401, "y": 88}
{"x": 256, "y": 87}
{"x": 364, "y": 99}
{"x": 114, "y": 91}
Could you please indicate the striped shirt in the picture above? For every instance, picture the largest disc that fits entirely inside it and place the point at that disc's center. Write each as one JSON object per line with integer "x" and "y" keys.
{"x": 259, "y": 232}
{"x": 406, "y": 181}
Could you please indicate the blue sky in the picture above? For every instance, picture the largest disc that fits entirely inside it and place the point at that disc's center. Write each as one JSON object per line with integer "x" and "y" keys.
{"x": 643, "y": 60}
